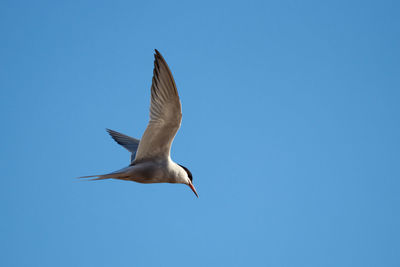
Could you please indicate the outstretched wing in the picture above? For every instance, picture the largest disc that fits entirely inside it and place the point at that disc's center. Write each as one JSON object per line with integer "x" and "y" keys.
{"x": 129, "y": 143}
{"x": 165, "y": 114}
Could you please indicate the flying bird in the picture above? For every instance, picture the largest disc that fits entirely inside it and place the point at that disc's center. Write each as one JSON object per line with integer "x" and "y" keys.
{"x": 150, "y": 159}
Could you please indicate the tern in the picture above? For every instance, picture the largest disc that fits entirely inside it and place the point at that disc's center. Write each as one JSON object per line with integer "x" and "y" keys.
{"x": 151, "y": 156}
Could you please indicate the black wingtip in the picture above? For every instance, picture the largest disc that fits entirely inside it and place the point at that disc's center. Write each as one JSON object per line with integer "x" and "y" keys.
{"x": 158, "y": 55}
{"x": 112, "y": 133}
{"x": 109, "y": 131}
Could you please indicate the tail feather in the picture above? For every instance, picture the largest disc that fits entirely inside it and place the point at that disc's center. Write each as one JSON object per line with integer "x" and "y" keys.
{"x": 120, "y": 174}
{"x": 97, "y": 177}
{"x": 88, "y": 176}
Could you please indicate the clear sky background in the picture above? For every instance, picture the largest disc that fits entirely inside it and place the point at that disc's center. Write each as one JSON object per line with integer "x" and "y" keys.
{"x": 290, "y": 127}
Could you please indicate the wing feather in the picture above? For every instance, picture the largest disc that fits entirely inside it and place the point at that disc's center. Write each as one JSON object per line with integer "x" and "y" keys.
{"x": 130, "y": 143}
{"x": 165, "y": 114}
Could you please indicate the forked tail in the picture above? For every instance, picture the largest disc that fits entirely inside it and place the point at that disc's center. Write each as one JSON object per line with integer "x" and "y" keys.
{"x": 98, "y": 177}
{"x": 120, "y": 174}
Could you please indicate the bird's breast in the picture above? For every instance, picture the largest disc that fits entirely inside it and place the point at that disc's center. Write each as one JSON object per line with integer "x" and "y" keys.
{"x": 153, "y": 172}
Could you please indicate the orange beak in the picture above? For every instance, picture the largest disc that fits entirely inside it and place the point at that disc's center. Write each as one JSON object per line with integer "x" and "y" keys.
{"x": 193, "y": 189}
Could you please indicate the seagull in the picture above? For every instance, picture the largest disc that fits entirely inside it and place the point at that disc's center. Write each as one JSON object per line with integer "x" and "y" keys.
{"x": 151, "y": 156}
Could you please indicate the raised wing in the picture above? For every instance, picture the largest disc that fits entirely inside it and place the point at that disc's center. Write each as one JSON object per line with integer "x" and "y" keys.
{"x": 129, "y": 143}
{"x": 165, "y": 114}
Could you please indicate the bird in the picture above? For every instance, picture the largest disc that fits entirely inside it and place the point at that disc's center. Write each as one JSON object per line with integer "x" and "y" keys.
{"x": 151, "y": 155}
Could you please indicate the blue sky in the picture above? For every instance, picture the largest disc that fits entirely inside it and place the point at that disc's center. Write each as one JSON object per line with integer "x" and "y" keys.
{"x": 290, "y": 127}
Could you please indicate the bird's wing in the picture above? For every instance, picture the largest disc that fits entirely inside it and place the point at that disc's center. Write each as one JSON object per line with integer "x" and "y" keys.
{"x": 165, "y": 114}
{"x": 130, "y": 143}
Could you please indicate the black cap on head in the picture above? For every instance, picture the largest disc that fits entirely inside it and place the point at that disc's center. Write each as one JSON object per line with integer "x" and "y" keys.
{"x": 188, "y": 172}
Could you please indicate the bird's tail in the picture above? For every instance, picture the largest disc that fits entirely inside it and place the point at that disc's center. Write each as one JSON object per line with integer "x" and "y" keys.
{"x": 97, "y": 177}
{"x": 120, "y": 174}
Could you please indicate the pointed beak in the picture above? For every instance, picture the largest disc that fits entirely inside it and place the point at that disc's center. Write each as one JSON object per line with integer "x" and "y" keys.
{"x": 193, "y": 189}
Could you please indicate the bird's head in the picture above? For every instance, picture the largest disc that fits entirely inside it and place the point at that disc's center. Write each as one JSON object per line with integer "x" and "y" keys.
{"x": 189, "y": 180}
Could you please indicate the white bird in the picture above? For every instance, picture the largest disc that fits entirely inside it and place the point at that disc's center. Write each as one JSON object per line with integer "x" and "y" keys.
{"x": 150, "y": 160}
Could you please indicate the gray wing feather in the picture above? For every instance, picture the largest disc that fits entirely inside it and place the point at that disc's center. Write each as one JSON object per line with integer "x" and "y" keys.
{"x": 165, "y": 113}
{"x": 129, "y": 143}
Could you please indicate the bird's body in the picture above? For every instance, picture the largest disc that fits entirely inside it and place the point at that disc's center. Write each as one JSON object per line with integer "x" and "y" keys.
{"x": 150, "y": 160}
{"x": 148, "y": 172}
